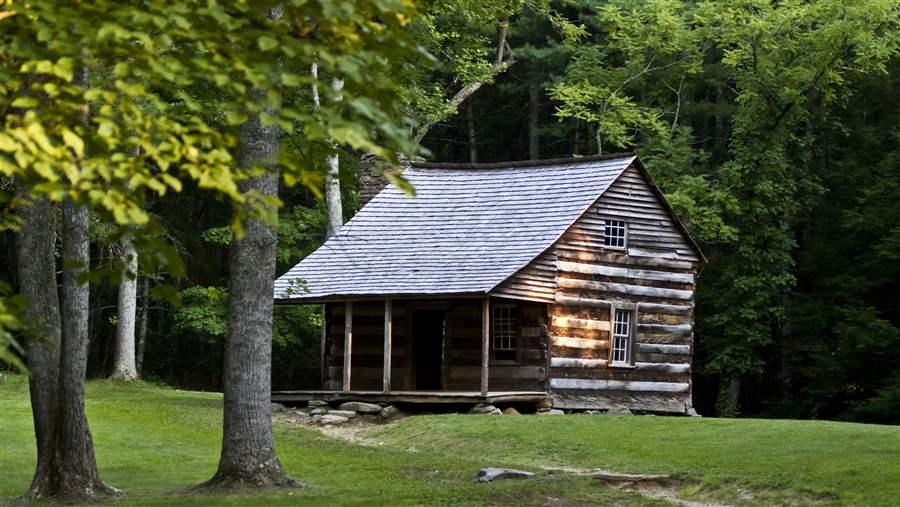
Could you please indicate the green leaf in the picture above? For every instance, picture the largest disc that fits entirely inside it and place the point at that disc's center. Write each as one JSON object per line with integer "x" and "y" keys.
{"x": 25, "y": 102}
{"x": 72, "y": 140}
{"x": 267, "y": 42}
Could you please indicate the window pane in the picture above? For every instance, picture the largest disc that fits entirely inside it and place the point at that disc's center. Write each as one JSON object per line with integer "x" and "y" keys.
{"x": 614, "y": 233}
{"x": 504, "y": 328}
{"x": 621, "y": 336}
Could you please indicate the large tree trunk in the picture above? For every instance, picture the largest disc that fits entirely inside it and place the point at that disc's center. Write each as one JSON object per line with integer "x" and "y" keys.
{"x": 36, "y": 266}
{"x": 248, "y": 448}
{"x": 333, "y": 203}
{"x": 57, "y": 353}
{"x": 473, "y": 137}
{"x": 124, "y": 365}
{"x": 78, "y": 474}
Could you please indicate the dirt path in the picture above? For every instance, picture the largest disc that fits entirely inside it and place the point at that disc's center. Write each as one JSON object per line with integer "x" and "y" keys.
{"x": 356, "y": 432}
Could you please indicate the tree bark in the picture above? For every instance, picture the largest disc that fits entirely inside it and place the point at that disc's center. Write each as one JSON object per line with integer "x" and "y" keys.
{"x": 470, "y": 126}
{"x": 729, "y": 397}
{"x": 333, "y": 203}
{"x": 248, "y": 449}
{"x": 35, "y": 243}
{"x": 78, "y": 473}
{"x": 534, "y": 149}
{"x": 141, "y": 332}
{"x": 503, "y": 59}
{"x": 124, "y": 365}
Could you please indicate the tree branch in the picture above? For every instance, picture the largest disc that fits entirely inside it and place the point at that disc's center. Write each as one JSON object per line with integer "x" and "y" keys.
{"x": 503, "y": 60}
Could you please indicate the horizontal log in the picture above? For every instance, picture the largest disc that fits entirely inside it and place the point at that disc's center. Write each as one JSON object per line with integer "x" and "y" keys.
{"x": 571, "y": 362}
{"x": 666, "y": 309}
{"x": 661, "y": 348}
{"x": 557, "y": 351}
{"x": 602, "y": 325}
{"x": 619, "y": 272}
{"x": 617, "y": 373}
{"x": 664, "y": 367}
{"x": 650, "y": 402}
{"x": 564, "y": 299}
{"x": 579, "y": 343}
{"x": 574, "y": 254}
{"x": 620, "y": 385}
{"x": 509, "y": 372}
{"x": 673, "y": 329}
{"x": 473, "y": 356}
{"x": 622, "y": 288}
{"x": 532, "y": 331}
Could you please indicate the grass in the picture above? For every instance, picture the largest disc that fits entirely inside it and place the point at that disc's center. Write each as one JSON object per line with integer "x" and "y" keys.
{"x": 777, "y": 461}
{"x": 153, "y": 442}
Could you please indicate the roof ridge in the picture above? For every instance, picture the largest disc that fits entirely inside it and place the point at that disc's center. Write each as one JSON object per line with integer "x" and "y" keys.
{"x": 520, "y": 163}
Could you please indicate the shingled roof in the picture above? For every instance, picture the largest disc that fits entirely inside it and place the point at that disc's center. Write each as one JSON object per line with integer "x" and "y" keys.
{"x": 467, "y": 229}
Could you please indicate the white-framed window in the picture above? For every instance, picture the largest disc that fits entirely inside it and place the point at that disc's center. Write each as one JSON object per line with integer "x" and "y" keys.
{"x": 621, "y": 336}
{"x": 504, "y": 328}
{"x": 614, "y": 233}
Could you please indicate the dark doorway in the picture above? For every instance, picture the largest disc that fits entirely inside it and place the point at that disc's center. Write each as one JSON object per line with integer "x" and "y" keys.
{"x": 428, "y": 333}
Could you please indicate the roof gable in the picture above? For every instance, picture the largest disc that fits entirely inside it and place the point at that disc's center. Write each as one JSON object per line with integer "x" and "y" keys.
{"x": 467, "y": 229}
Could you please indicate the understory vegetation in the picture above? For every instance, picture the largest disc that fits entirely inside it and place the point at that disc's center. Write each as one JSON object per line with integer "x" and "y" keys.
{"x": 154, "y": 442}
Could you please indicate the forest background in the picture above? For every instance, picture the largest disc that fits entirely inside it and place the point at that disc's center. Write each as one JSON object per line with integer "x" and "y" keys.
{"x": 774, "y": 130}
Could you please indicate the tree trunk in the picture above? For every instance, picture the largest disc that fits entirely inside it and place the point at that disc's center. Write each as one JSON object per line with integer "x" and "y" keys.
{"x": 333, "y": 204}
{"x": 36, "y": 266}
{"x": 729, "y": 397}
{"x": 470, "y": 126}
{"x": 248, "y": 448}
{"x": 78, "y": 473}
{"x": 534, "y": 149}
{"x": 124, "y": 365}
{"x": 141, "y": 332}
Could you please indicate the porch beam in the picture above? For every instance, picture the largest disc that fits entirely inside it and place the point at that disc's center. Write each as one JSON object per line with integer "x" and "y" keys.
{"x": 485, "y": 343}
{"x": 388, "y": 325}
{"x": 348, "y": 344}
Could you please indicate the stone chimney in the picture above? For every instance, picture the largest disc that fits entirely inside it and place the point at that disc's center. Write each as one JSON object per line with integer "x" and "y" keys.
{"x": 372, "y": 175}
{"x": 370, "y": 182}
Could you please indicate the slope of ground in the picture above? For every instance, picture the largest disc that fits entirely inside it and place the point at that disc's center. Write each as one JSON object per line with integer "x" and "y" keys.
{"x": 153, "y": 442}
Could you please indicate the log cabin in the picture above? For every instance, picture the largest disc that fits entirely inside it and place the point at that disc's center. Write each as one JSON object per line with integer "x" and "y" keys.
{"x": 566, "y": 283}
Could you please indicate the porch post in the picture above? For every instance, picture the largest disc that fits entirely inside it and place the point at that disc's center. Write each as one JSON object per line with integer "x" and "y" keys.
{"x": 323, "y": 368}
{"x": 485, "y": 343}
{"x": 348, "y": 344}
{"x": 386, "y": 387}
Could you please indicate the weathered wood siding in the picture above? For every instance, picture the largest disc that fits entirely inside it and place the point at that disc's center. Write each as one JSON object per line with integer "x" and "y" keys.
{"x": 462, "y": 347}
{"x": 655, "y": 276}
{"x": 534, "y": 282}
{"x": 367, "y": 349}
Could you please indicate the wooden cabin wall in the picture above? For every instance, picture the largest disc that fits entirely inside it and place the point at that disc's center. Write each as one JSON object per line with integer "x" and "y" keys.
{"x": 367, "y": 360}
{"x": 656, "y": 276}
{"x": 464, "y": 330}
{"x": 656, "y": 273}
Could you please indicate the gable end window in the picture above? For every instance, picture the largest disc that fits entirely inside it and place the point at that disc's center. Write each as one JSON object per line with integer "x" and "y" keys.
{"x": 623, "y": 331}
{"x": 503, "y": 332}
{"x": 614, "y": 233}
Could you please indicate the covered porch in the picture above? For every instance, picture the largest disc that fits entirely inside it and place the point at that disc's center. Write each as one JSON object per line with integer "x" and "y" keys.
{"x": 536, "y": 398}
{"x": 449, "y": 350}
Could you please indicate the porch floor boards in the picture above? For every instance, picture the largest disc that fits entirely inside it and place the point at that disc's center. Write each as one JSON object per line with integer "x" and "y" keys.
{"x": 425, "y": 397}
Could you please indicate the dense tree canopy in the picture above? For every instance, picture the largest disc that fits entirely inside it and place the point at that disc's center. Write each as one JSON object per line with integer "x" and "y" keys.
{"x": 772, "y": 128}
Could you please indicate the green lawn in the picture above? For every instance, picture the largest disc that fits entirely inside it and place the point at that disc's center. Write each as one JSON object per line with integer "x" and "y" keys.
{"x": 153, "y": 442}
